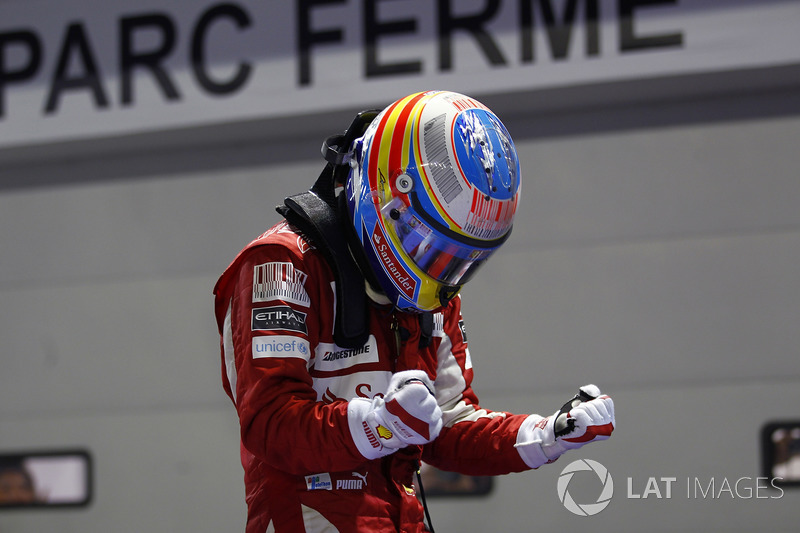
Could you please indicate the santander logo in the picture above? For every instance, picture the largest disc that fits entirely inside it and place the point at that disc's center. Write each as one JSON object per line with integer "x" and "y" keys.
{"x": 393, "y": 267}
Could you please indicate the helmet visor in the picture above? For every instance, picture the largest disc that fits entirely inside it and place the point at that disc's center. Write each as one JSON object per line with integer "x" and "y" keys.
{"x": 443, "y": 259}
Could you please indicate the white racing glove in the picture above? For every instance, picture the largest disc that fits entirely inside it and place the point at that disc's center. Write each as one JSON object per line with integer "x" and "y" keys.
{"x": 407, "y": 414}
{"x": 587, "y": 417}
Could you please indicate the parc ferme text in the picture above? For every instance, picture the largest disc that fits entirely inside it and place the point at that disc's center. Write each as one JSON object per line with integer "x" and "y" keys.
{"x": 77, "y": 70}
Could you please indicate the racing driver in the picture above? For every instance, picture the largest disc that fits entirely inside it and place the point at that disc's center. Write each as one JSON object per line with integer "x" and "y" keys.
{"x": 342, "y": 341}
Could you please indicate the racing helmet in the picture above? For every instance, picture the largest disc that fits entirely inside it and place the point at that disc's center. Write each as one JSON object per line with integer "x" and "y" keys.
{"x": 432, "y": 191}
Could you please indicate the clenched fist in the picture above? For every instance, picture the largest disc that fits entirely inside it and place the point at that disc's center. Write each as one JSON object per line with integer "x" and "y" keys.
{"x": 407, "y": 414}
{"x": 587, "y": 417}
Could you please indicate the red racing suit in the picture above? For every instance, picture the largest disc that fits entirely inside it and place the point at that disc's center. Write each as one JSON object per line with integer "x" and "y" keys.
{"x": 291, "y": 385}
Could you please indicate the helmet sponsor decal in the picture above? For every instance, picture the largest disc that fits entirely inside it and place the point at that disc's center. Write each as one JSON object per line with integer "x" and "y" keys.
{"x": 435, "y": 140}
{"x": 477, "y": 140}
{"x": 280, "y": 281}
{"x": 489, "y": 218}
{"x": 463, "y": 102}
{"x": 269, "y": 346}
{"x": 279, "y": 317}
{"x": 397, "y": 272}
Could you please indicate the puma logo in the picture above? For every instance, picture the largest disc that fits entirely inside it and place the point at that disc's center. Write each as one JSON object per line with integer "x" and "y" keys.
{"x": 352, "y": 484}
{"x": 360, "y": 476}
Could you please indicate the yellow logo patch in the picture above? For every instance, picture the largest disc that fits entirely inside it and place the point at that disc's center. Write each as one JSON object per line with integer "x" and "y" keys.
{"x": 384, "y": 433}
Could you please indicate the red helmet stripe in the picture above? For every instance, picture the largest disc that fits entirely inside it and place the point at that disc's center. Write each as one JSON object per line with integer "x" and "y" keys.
{"x": 396, "y": 156}
{"x": 372, "y": 172}
{"x": 397, "y": 136}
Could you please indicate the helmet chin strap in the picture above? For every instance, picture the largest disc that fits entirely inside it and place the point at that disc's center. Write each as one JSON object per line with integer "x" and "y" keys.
{"x": 355, "y": 248}
{"x": 313, "y": 215}
{"x": 447, "y": 293}
{"x": 336, "y": 148}
{"x": 377, "y": 296}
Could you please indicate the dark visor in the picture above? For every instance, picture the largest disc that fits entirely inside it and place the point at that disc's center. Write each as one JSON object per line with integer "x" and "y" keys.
{"x": 444, "y": 259}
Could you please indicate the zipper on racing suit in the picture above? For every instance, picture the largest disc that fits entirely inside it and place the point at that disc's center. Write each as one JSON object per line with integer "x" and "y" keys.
{"x": 398, "y": 340}
{"x": 394, "y": 325}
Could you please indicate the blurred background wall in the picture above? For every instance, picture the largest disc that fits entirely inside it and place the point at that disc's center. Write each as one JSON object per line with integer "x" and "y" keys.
{"x": 655, "y": 252}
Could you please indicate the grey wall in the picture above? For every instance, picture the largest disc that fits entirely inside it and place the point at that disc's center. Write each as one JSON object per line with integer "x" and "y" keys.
{"x": 655, "y": 254}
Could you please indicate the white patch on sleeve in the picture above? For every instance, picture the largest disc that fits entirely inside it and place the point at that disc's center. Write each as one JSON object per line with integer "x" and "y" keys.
{"x": 450, "y": 382}
{"x": 267, "y": 346}
{"x": 319, "y": 482}
{"x": 280, "y": 281}
{"x": 314, "y": 521}
{"x": 438, "y": 325}
{"x": 450, "y": 385}
{"x": 227, "y": 347}
{"x": 331, "y": 358}
{"x": 463, "y": 412}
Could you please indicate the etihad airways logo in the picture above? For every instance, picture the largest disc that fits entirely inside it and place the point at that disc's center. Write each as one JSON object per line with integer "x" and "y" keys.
{"x": 279, "y": 317}
{"x": 404, "y": 281}
{"x": 330, "y": 357}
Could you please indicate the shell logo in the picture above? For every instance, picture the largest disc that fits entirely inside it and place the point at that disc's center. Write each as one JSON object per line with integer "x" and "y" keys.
{"x": 384, "y": 433}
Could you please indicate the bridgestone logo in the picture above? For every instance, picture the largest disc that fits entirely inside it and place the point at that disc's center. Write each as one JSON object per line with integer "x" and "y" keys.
{"x": 329, "y": 357}
{"x": 345, "y": 354}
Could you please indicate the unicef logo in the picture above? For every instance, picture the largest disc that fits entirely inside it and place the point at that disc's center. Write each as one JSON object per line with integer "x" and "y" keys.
{"x": 585, "y": 509}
